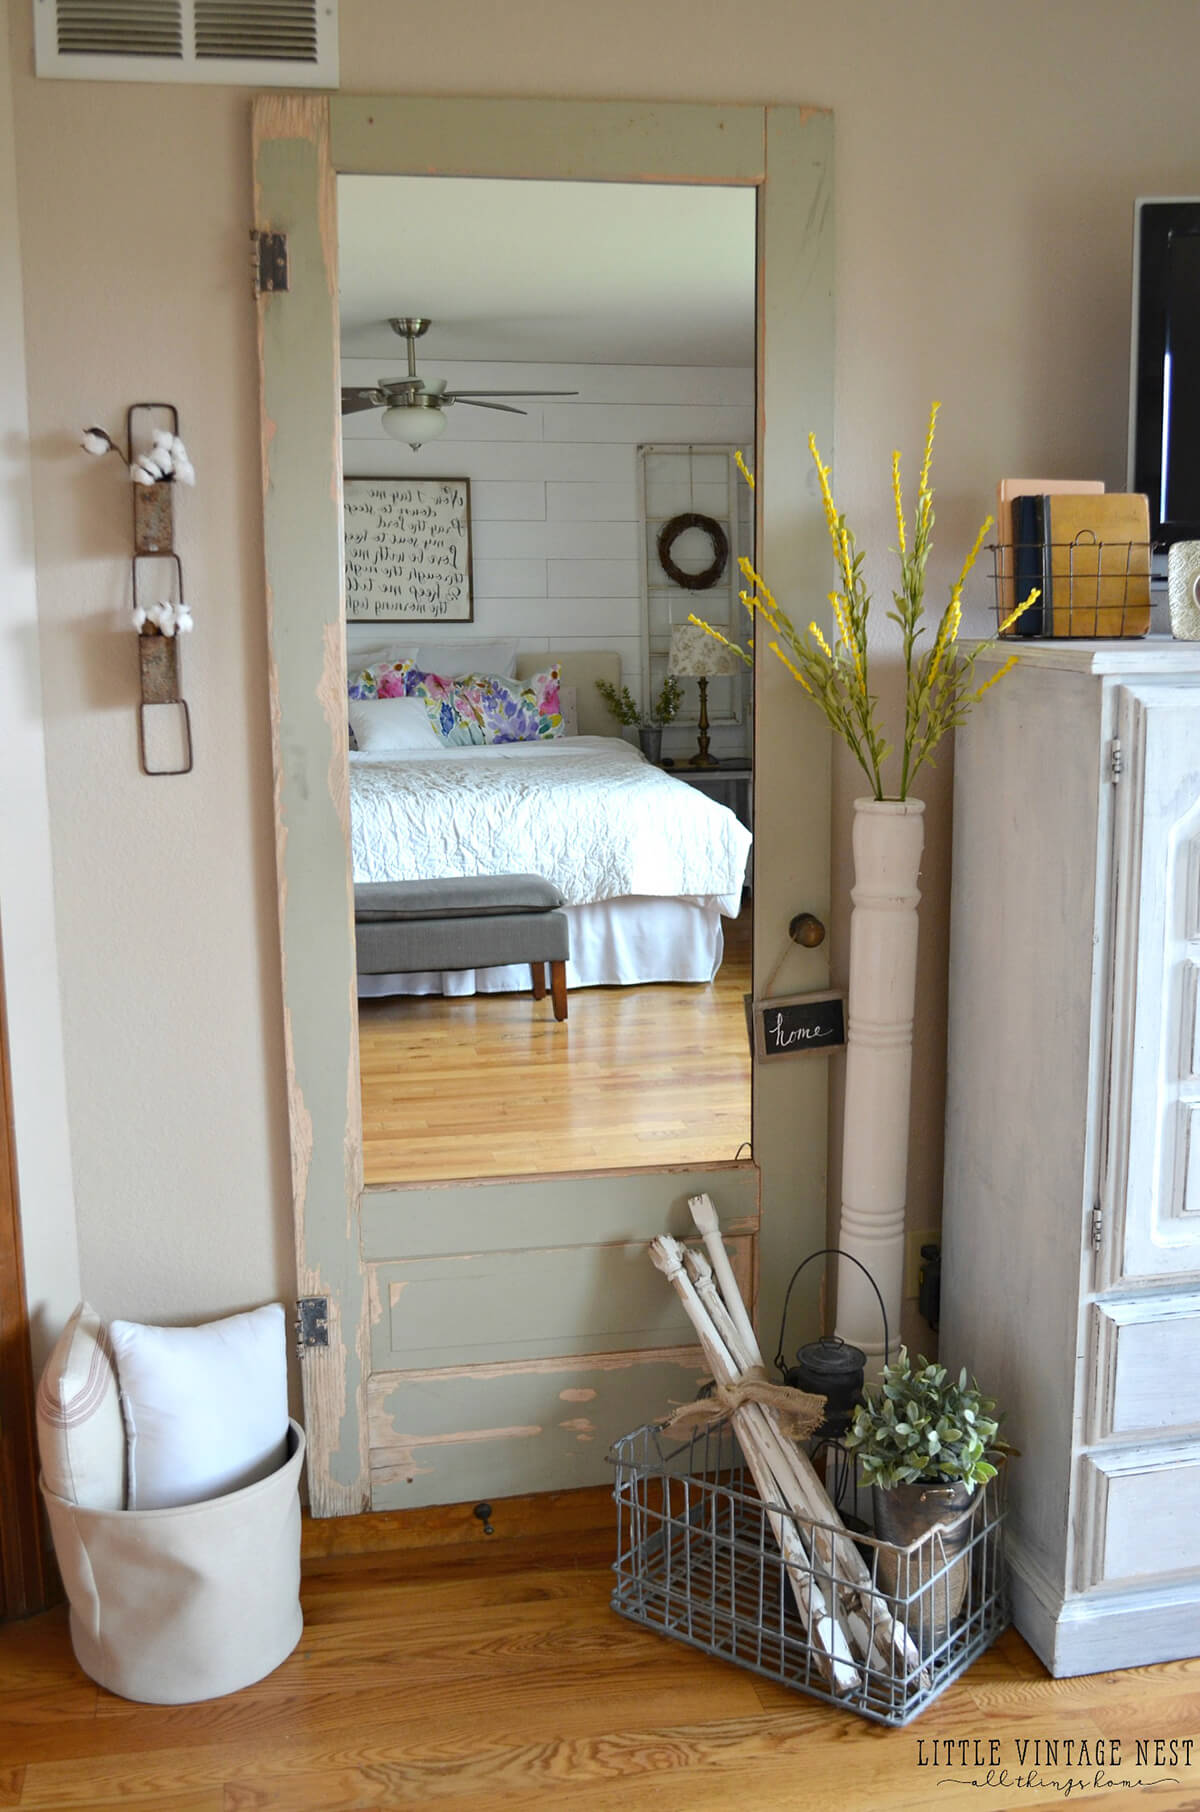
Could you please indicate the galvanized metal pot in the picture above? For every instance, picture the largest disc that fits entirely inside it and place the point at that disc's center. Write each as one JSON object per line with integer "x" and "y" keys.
{"x": 923, "y": 1529}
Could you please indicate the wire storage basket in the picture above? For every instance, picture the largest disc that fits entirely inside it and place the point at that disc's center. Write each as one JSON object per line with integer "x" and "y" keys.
{"x": 698, "y": 1560}
{"x": 1087, "y": 588}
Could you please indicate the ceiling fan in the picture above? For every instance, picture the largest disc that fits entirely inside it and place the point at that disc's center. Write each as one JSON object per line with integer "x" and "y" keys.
{"x": 413, "y": 407}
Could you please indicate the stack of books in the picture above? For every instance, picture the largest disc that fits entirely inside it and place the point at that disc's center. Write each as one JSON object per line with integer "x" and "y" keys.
{"x": 1085, "y": 550}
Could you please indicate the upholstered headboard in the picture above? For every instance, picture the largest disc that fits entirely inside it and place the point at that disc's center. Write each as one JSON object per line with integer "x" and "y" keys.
{"x": 581, "y": 668}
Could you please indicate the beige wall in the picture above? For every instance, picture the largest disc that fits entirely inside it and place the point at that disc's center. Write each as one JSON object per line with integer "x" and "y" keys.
{"x": 26, "y": 891}
{"x": 983, "y": 226}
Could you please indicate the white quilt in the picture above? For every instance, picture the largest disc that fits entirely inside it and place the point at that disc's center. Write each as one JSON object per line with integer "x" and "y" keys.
{"x": 587, "y": 812}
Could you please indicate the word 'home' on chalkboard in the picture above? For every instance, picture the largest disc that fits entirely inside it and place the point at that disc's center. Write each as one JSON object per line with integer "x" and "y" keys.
{"x": 408, "y": 550}
{"x": 797, "y": 1024}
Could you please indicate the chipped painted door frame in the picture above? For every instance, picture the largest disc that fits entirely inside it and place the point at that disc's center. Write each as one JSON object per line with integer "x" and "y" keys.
{"x": 301, "y": 142}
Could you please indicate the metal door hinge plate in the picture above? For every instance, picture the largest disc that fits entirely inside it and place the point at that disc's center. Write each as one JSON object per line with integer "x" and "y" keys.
{"x": 312, "y": 1322}
{"x": 1097, "y": 1228}
{"x": 270, "y": 261}
{"x": 1116, "y": 760}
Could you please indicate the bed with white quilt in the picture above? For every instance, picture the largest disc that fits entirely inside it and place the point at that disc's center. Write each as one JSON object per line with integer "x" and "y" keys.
{"x": 647, "y": 864}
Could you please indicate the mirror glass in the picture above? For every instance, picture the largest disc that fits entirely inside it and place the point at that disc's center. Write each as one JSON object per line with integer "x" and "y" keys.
{"x": 544, "y": 389}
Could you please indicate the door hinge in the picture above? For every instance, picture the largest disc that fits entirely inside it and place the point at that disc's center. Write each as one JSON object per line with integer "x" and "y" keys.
{"x": 312, "y": 1322}
{"x": 1097, "y": 1228}
{"x": 1116, "y": 760}
{"x": 269, "y": 261}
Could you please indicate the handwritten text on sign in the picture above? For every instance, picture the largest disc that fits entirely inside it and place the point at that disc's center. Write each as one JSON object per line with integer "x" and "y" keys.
{"x": 799, "y": 1023}
{"x": 408, "y": 549}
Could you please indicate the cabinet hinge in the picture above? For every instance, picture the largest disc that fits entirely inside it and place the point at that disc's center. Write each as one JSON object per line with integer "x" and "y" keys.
{"x": 312, "y": 1322}
{"x": 1097, "y": 1228}
{"x": 269, "y": 261}
{"x": 1116, "y": 760}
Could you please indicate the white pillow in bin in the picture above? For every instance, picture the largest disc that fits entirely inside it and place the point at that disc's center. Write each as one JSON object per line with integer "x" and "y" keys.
{"x": 205, "y": 1408}
{"x": 388, "y": 725}
{"x": 81, "y": 1437}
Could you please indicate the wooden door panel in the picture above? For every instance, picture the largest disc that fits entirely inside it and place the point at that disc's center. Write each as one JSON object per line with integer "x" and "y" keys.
{"x": 530, "y": 1212}
{"x": 445, "y": 1436}
{"x": 529, "y": 1305}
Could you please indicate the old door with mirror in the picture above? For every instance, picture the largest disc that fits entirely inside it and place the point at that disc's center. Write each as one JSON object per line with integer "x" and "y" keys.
{"x": 492, "y": 1337}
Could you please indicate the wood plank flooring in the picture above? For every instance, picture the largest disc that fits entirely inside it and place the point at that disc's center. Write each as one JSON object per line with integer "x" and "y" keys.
{"x": 493, "y": 1673}
{"x": 491, "y": 1085}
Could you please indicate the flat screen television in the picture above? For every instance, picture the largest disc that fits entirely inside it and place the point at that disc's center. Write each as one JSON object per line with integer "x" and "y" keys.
{"x": 1164, "y": 390}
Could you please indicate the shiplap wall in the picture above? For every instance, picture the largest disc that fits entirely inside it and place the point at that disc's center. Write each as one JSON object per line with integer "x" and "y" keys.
{"x": 554, "y": 493}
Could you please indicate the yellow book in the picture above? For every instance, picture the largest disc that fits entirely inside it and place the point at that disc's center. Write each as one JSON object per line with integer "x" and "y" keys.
{"x": 1097, "y": 564}
{"x": 1012, "y": 558}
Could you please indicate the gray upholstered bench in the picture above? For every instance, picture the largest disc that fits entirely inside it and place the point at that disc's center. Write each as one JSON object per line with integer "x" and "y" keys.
{"x": 474, "y": 922}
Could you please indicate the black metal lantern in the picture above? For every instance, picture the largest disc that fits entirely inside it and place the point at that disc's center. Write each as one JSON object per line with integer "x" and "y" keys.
{"x": 833, "y": 1369}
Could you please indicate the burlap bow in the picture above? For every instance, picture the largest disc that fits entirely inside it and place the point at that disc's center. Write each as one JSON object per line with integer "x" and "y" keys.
{"x": 800, "y": 1413}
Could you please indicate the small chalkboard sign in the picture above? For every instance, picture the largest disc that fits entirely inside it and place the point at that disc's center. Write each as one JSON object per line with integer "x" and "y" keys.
{"x": 797, "y": 1024}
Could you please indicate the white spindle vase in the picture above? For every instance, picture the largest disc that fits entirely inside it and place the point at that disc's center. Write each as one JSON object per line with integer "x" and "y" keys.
{"x": 888, "y": 837}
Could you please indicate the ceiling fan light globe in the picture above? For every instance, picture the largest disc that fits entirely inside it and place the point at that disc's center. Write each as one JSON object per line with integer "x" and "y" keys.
{"x": 413, "y": 423}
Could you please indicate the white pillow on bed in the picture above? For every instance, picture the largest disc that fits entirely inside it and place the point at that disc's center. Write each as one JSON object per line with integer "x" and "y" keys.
{"x": 454, "y": 660}
{"x": 382, "y": 725}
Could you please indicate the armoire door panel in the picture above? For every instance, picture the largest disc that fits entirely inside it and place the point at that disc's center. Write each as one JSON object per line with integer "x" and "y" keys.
{"x": 1139, "y": 1346}
{"x": 1153, "y": 1166}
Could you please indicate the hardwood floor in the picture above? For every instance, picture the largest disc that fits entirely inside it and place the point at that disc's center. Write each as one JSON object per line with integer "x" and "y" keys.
{"x": 493, "y": 1673}
{"x": 491, "y": 1085}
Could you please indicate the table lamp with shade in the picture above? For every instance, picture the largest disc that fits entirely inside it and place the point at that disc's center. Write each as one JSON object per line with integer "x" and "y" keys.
{"x": 697, "y": 655}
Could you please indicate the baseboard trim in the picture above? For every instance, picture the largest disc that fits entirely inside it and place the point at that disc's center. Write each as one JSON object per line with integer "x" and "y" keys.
{"x": 540, "y": 1513}
{"x": 1093, "y": 1632}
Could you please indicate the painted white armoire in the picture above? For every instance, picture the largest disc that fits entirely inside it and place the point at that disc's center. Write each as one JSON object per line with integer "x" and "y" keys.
{"x": 1071, "y": 1230}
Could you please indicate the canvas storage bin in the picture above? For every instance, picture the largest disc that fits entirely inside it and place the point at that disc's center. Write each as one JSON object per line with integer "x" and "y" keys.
{"x": 168, "y": 1606}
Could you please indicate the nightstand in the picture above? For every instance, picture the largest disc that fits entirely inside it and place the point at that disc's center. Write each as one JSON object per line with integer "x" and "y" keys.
{"x": 730, "y": 783}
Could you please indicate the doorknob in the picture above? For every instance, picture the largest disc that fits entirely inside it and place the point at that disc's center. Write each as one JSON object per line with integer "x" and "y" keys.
{"x": 807, "y": 929}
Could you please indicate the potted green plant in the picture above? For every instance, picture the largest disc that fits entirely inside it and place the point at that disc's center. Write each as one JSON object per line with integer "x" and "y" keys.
{"x": 648, "y": 723}
{"x": 924, "y": 1441}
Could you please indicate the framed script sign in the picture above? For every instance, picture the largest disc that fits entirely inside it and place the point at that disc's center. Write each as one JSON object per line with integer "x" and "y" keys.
{"x": 408, "y": 550}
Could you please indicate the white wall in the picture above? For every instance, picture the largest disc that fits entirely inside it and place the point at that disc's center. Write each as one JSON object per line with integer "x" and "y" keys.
{"x": 555, "y": 526}
{"x": 983, "y": 220}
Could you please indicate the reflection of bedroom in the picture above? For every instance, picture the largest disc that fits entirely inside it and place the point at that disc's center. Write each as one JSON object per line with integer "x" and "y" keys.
{"x": 529, "y": 548}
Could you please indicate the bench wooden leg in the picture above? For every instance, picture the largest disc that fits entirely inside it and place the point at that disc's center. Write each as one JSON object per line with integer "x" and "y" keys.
{"x": 538, "y": 972}
{"x": 558, "y": 987}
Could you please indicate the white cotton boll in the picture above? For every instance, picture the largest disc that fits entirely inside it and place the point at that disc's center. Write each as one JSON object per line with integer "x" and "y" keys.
{"x": 95, "y": 440}
{"x": 183, "y": 619}
{"x": 178, "y": 450}
{"x": 139, "y": 618}
{"x": 184, "y": 472}
{"x": 140, "y": 475}
{"x": 162, "y": 437}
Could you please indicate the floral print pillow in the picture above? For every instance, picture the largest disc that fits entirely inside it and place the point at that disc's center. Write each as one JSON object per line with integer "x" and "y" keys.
{"x": 386, "y": 679}
{"x": 483, "y": 707}
{"x": 450, "y": 705}
{"x": 517, "y": 710}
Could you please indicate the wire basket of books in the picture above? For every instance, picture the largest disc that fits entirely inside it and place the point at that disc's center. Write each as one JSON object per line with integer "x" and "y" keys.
{"x": 1085, "y": 588}
{"x": 1086, "y": 556}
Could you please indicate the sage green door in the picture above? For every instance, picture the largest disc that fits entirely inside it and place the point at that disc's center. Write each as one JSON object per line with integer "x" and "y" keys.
{"x": 492, "y": 1339}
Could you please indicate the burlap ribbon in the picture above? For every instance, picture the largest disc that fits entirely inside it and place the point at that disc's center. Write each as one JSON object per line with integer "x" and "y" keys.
{"x": 800, "y": 1413}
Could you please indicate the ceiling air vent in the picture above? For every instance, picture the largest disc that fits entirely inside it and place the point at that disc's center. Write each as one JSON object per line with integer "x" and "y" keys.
{"x": 253, "y": 43}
